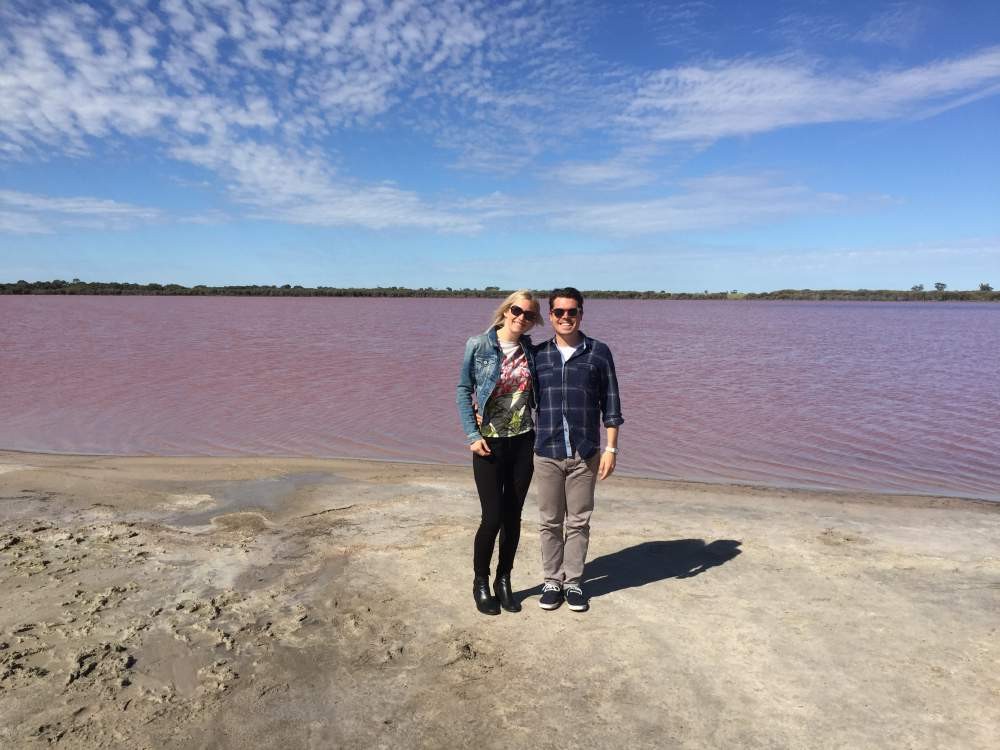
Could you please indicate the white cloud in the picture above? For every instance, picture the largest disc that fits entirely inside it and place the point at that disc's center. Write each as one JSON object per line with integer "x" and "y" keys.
{"x": 707, "y": 203}
{"x": 612, "y": 173}
{"x": 76, "y": 206}
{"x": 28, "y": 213}
{"x": 262, "y": 82}
{"x": 257, "y": 91}
{"x": 702, "y": 204}
{"x": 954, "y": 252}
{"x": 212, "y": 216}
{"x": 301, "y": 189}
{"x": 897, "y": 25}
{"x": 499, "y": 206}
{"x": 678, "y": 24}
{"x": 79, "y": 73}
{"x": 13, "y": 222}
{"x": 743, "y": 97}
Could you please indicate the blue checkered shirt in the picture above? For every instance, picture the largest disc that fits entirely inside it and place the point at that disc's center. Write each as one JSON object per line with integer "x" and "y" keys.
{"x": 576, "y": 394}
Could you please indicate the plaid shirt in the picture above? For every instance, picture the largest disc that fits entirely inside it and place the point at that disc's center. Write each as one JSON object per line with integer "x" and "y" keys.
{"x": 581, "y": 391}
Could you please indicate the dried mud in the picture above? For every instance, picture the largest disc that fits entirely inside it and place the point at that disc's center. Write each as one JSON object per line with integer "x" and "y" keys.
{"x": 201, "y": 603}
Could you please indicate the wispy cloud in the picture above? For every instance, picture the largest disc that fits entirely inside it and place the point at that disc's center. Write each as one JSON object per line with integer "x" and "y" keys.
{"x": 212, "y": 216}
{"x": 718, "y": 201}
{"x": 617, "y": 173}
{"x": 896, "y": 25}
{"x": 678, "y": 24}
{"x": 744, "y": 97}
{"x": 302, "y": 189}
{"x": 295, "y": 69}
{"x": 249, "y": 90}
{"x": 955, "y": 251}
{"x": 707, "y": 203}
{"x": 959, "y": 263}
{"x": 255, "y": 91}
{"x": 15, "y": 222}
{"x": 261, "y": 93}
{"x": 27, "y": 213}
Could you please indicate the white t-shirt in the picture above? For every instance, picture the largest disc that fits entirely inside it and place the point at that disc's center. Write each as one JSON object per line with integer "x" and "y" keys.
{"x": 508, "y": 347}
{"x": 567, "y": 351}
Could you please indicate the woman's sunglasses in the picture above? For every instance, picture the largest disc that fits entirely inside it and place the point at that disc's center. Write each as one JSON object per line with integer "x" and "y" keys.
{"x": 570, "y": 312}
{"x": 517, "y": 312}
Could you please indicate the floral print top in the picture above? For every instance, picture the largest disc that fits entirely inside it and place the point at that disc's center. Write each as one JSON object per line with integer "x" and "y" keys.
{"x": 508, "y": 410}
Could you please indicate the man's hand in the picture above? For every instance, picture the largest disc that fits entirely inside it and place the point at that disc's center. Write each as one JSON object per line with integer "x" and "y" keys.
{"x": 480, "y": 448}
{"x": 607, "y": 467}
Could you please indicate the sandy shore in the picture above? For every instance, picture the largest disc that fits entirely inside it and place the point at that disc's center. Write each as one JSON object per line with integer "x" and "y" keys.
{"x": 210, "y": 603}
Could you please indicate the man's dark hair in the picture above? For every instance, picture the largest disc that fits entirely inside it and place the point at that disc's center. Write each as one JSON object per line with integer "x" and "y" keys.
{"x": 567, "y": 292}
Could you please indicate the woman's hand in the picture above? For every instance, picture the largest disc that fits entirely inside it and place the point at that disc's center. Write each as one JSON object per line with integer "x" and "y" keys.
{"x": 480, "y": 448}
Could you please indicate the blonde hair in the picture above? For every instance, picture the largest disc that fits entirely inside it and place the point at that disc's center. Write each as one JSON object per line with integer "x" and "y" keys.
{"x": 498, "y": 319}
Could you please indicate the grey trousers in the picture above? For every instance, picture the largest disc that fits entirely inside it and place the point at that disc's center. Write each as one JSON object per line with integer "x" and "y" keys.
{"x": 565, "y": 490}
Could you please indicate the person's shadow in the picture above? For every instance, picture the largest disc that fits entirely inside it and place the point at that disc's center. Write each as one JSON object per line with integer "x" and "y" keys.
{"x": 650, "y": 562}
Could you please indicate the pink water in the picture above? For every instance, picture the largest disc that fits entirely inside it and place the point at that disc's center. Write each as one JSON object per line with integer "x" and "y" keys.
{"x": 898, "y": 397}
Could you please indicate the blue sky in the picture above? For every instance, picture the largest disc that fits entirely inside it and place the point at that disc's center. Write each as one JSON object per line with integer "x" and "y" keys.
{"x": 621, "y": 145}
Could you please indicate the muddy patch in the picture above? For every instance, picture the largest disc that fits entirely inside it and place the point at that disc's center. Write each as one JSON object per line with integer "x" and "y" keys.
{"x": 251, "y": 496}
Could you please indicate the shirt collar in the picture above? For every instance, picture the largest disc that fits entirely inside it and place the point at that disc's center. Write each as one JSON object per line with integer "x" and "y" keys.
{"x": 584, "y": 341}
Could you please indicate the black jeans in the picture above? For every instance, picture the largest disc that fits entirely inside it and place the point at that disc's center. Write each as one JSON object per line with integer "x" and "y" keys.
{"x": 502, "y": 479}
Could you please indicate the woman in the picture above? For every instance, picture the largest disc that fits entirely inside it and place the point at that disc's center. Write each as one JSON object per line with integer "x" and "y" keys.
{"x": 498, "y": 372}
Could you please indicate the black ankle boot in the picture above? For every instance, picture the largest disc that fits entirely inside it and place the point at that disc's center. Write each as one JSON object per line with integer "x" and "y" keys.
{"x": 481, "y": 593}
{"x": 501, "y": 587}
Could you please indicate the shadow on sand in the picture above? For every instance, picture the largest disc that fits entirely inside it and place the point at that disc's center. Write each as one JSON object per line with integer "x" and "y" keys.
{"x": 650, "y": 562}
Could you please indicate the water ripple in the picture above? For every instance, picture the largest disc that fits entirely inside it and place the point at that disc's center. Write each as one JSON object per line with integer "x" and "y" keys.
{"x": 884, "y": 397}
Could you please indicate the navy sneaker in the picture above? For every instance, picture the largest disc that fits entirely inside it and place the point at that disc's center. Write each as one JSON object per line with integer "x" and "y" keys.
{"x": 576, "y": 600}
{"x": 552, "y": 596}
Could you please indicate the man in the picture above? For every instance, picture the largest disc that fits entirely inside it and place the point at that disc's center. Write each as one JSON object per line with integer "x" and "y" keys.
{"x": 577, "y": 389}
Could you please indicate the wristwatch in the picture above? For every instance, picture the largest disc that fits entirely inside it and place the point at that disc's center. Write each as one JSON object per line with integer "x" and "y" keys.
{"x": 609, "y": 449}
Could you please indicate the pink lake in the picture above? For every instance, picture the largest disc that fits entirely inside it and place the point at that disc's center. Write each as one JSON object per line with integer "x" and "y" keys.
{"x": 893, "y": 397}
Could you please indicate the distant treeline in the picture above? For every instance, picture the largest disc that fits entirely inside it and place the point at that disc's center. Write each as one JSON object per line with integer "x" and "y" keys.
{"x": 984, "y": 294}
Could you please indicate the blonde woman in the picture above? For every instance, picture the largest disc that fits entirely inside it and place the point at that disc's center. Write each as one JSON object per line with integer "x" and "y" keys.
{"x": 498, "y": 377}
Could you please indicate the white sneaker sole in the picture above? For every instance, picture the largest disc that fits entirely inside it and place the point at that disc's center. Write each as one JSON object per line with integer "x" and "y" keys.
{"x": 579, "y": 607}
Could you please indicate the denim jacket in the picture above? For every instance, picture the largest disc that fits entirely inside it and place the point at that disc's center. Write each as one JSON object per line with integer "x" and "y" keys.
{"x": 479, "y": 376}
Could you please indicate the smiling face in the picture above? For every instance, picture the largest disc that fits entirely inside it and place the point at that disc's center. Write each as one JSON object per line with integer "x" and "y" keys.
{"x": 520, "y": 324}
{"x": 565, "y": 324}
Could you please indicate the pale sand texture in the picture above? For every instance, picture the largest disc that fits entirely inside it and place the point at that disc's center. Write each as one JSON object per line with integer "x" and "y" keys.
{"x": 209, "y": 603}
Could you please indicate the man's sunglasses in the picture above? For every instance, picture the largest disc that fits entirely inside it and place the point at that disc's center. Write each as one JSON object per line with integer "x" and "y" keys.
{"x": 517, "y": 312}
{"x": 570, "y": 312}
